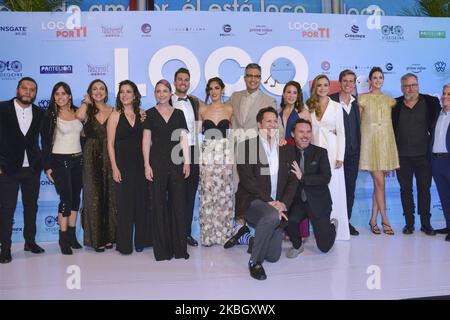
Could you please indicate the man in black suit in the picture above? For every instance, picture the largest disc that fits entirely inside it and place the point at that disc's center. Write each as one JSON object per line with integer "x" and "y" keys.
{"x": 266, "y": 189}
{"x": 189, "y": 105}
{"x": 412, "y": 120}
{"x": 313, "y": 198}
{"x": 352, "y": 119}
{"x": 20, "y": 165}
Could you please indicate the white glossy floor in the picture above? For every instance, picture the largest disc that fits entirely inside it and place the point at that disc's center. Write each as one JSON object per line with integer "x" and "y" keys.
{"x": 410, "y": 266}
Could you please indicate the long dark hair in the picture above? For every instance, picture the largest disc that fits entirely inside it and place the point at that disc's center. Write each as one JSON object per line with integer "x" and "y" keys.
{"x": 298, "y": 105}
{"x": 92, "y": 109}
{"x": 52, "y": 105}
{"x": 137, "y": 97}
{"x": 375, "y": 69}
{"x": 207, "y": 89}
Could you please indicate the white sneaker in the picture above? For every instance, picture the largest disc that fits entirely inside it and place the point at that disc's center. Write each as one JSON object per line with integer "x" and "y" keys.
{"x": 293, "y": 253}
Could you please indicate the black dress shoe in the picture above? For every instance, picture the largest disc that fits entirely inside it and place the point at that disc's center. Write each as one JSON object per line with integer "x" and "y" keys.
{"x": 191, "y": 241}
{"x": 447, "y": 238}
{"x": 5, "y": 256}
{"x": 442, "y": 231}
{"x": 138, "y": 249}
{"x": 109, "y": 246}
{"x": 234, "y": 240}
{"x": 429, "y": 231}
{"x": 353, "y": 231}
{"x": 257, "y": 271}
{"x": 101, "y": 249}
{"x": 408, "y": 229}
{"x": 33, "y": 247}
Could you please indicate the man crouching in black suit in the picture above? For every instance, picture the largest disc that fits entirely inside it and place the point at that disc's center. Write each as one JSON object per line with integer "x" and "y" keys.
{"x": 20, "y": 165}
{"x": 313, "y": 199}
{"x": 266, "y": 189}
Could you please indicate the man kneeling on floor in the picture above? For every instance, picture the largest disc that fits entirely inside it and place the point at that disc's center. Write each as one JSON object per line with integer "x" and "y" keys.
{"x": 266, "y": 189}
{"x": 313, "y": 199}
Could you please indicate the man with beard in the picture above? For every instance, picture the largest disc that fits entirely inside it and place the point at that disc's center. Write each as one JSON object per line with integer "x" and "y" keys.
{"x": 412, "y": 119}
{"x": 20, "y": 165}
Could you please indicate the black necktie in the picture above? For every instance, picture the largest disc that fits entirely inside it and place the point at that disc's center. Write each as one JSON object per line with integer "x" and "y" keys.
{"x": 302, "y": 168}
{"x": 182, "y": 99}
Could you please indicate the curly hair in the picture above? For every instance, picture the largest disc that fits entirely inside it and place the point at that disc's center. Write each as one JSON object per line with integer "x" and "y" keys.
{"x": 313, "y": 101}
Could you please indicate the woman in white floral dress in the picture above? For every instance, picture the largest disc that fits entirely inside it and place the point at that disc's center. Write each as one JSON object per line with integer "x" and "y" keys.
{"x": 216, "y": 168}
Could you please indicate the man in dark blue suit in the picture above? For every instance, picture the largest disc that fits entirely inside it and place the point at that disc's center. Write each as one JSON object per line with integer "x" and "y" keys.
{"x": 347, "y": 81}
{"x": 20, "y": 165}
{"x": 440, "y": 157}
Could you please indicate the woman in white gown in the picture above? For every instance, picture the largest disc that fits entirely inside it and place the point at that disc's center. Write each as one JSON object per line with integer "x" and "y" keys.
{"x": 329, "y": 133}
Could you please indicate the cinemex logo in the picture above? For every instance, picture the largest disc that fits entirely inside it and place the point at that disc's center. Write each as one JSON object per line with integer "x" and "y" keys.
{"x": 354, "y": 35}
{"x": 56, "y": 69}
{"x": 440, "y": 66}
{"x": 310, "y": 30}
{"x": 261, "y": 30}
{"x": 430, "y": 34}
{"x": 146, "y": 28}
{"x": 10, "y": 70}
{"x": 98, "y": 69}
{"x": 112, "y": 32}
{"x": 392, "y": 33}
{"x": 226, "y": 31}
{"x": 18, "y": 31}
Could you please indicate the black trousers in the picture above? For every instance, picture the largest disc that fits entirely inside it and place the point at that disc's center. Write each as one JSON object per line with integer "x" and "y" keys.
{"x": 324, "y": 231}
{"x": 420, "y": 167}
{"x": 67, "y": 173}
{"x": 351, "y": 166}
{"x": 191, "y": 186}
{"x": 29, "y": 182}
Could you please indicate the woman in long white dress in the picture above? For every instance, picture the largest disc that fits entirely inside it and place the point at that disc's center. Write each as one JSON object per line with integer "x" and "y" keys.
{"x": 329, "y": 133}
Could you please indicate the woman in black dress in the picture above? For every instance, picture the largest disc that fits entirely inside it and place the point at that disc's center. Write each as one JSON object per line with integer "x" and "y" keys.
{"x": 166, "y": 167}
{"x": 98, "y": 213}
{"x": 124, "y": 131}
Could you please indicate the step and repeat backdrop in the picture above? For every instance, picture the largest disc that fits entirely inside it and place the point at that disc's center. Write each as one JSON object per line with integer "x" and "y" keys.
{"x": 78, "y": 47}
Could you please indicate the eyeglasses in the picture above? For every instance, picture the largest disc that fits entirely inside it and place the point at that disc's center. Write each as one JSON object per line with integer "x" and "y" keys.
{"x": 410, "y": 86}
{"x": 254, "y": 76}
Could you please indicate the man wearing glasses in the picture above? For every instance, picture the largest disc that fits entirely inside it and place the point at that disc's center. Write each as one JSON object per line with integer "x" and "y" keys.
{"x": 246, "y": 105}
{"x": 412, "y": 120}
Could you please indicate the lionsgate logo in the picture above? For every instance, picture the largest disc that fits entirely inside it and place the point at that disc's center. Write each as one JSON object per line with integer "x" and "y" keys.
{"x": 355, "y": 34}
{"x": 56, "y": 69}
{"x": 112, "y": 32}
{"x": 98, "y": 69}
{"x": 16, "y": 30}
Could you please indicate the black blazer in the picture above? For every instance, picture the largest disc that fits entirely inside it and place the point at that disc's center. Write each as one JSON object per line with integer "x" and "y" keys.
{"x": 355, "y": 105}
{"x": 253, "y": 185}
{"x": 315, "y": 180}
{"x": 433, "y": 107}
{"x": 13, "y": 143}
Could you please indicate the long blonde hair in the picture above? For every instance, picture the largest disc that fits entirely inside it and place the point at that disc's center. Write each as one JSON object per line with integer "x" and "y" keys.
{"x": 313, "y": 101}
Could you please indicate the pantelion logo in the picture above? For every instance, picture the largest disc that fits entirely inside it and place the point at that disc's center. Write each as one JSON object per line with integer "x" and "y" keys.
{"x": 56, "y": 69}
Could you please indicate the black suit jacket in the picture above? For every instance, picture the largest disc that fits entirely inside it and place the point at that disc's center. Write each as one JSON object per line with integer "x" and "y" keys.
{"x": 253, "y": 185}
{"x": 335, "y": 97}
{"x": 315, "y": 180}
{"x": 13, "y": 143}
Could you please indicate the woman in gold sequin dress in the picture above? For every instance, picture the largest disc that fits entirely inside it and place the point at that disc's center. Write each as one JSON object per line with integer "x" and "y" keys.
{"x": 378, "y": 147}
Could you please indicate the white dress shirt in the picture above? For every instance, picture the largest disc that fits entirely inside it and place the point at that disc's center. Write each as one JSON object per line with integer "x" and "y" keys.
{"x": 24, "y": 117}
{"x": 347, "y": 107}
{"x": 188, "y": 111}
{"x": 440, "y": 133}
{"x": 272, "y": 157}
